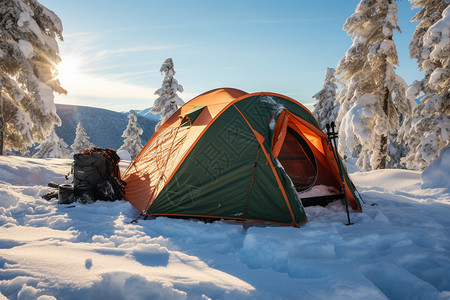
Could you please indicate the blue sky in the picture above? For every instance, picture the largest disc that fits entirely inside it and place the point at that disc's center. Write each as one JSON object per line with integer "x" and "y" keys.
{"x": 112, "y": 50}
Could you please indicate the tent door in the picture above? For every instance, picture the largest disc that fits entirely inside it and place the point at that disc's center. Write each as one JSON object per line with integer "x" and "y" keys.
{"x": 294, "y": 154}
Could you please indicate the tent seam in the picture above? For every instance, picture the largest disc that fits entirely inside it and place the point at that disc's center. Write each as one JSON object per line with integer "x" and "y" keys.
{"x": 280, "y": 186}
{"x": 251, "y": 184}
{"x": 147, "y": 206}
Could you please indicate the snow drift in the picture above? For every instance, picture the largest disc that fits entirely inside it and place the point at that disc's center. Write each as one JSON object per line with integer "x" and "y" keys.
{"x": 396, "y": 250}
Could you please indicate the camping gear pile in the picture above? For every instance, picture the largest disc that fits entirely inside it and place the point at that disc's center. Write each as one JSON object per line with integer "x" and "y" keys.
{"x": 227, "y": 154}
{"x": 96, "y": 176}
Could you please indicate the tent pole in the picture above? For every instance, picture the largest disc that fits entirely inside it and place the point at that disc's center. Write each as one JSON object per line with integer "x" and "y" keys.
{"x": 332, "y": 136}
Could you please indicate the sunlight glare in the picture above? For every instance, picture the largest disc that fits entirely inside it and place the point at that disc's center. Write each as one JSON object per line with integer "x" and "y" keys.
{"x": 69, "y": 69}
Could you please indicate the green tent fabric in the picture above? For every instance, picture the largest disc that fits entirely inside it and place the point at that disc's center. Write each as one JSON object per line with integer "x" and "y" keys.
{"x": 213, "y": 158}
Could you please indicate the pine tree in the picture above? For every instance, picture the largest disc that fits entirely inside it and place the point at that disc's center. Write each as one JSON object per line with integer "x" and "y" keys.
{"x": 81, "y": 141}
{"x": 28, "y": 76}
{"x": 370, "y": 109}
{"x": 132, "y": 142}
{"x": 168, "y": 101}
{"x": 326, "y": 107}
{"x": 430, "y": 12}
{"x": 427, "y": 130}
{"x": 52, "y": 147}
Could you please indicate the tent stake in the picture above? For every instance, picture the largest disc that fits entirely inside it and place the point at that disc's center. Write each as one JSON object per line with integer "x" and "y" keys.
{"x": 332, "y": 136}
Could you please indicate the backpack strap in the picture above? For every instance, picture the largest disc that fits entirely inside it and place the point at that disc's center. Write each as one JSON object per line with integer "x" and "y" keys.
{"x": 70, "y": 172}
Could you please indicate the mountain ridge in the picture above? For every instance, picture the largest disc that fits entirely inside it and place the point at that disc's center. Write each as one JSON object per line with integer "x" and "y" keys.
{"x": 104, "y": 127}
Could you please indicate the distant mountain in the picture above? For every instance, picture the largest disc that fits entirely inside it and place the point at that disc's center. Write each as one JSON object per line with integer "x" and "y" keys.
{"x": 146, "y": 113}
{"x": 104, "y": 127}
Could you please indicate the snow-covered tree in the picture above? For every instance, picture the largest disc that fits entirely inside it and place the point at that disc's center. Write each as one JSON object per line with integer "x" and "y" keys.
{"x": 132, "y": 142}
{"x": 430, "y": 12}
{"x": 52, "y": 147}
{"x": 326, "y": 108}
{"x": 168, "y": 101}
{"x": 81, "y": 141}
{"x": 28, "y": 73}
{"x": 427, "y": 130}
{"x": 375, "y": 95}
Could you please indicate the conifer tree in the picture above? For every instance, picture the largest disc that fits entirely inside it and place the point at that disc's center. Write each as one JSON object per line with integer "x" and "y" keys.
{"x": 326, "y": 107}
{"x": 168, "y": 101}
{"x": 370, "y": 109}
{"x": 427, "y": 130}
{"x": 28, "y": 75}
{"x": 81, "y": 141}
{"x": 430, "y": 12}
{"x": 132, "y": 142}
{"x": 52, "y": 147}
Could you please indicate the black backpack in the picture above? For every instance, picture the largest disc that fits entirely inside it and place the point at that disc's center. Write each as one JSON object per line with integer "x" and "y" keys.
{"x": 89, "y": 169}
{"x": 96, "y": 175}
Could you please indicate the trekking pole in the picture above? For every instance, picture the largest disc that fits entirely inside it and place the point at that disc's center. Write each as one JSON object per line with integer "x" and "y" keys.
{"x": 332, "y": 136}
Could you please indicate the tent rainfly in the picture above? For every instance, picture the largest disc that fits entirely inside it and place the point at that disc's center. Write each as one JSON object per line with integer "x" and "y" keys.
{"x": 228, "y": 154}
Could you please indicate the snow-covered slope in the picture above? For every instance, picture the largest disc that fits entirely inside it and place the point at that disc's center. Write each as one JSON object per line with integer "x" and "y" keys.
{"x": 146, "y": 113}
{"x": 399, "y": 249}
{"x": 104, "y": 127}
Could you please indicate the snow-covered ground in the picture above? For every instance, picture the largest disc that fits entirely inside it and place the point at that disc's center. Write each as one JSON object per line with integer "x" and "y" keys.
{"x": 399, "y": 249}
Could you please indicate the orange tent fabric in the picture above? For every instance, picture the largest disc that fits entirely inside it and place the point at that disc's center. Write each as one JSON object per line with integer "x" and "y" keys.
{"x": 197, "y": 154}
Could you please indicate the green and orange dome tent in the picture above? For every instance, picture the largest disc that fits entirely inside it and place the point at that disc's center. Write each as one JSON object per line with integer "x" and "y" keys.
{"x": 228, "y": 154}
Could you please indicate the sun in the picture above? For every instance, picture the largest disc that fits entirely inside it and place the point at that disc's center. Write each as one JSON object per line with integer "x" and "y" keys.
{"x": 69, "y": 69}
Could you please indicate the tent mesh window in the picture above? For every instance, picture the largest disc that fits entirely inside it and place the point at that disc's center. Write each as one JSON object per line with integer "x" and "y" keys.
{"x": 298, "y": 161}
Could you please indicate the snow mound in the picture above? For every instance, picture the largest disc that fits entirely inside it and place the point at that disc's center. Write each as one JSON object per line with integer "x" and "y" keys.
{"x": 436, "y": 175}
{"x": 121, "y": 285}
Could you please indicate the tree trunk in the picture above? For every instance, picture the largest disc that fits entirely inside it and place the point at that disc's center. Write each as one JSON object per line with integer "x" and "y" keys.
{"x": 384, "y": 139}
{"x": 386, "y": 99}
{"x": 383, "y": 153}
